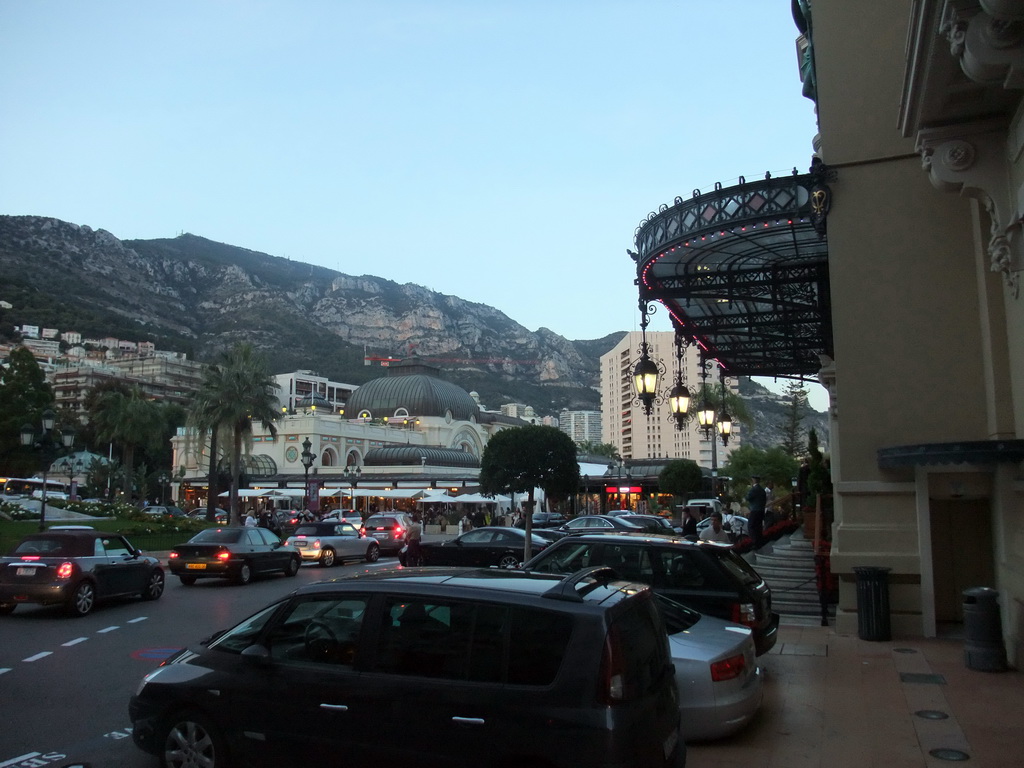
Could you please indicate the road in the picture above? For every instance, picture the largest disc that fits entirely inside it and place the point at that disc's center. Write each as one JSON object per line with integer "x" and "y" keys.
{"x": 65, "y": 682}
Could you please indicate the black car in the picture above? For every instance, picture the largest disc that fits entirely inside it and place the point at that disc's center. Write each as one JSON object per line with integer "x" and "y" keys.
{"x": 463, "y": 668}
{"x": 596, "y": 523}
{"x": 75, "y": 566}
{"x": 651, "y": 523}
{"x": 236, "y": 552}
{"x": 492, "y": 545}
{"x": 710, "y": 578}
{"x": 545, "y": 520}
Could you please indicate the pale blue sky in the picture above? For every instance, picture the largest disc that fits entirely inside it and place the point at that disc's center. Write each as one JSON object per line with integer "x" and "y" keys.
{"x": 501, "y": 151}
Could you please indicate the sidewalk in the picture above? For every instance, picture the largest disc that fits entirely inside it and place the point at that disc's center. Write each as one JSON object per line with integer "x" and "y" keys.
{"x": 835, "y": 701}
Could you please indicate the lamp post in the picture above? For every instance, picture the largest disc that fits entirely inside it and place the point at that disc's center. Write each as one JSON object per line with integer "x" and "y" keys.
{"x": 352, "y": 474}
{"x": 50, "y": 443}
{"x": 307, "y": 461}
{"x": 618, "y": 470}
{"x": 73, "y": 467}
{"x": 164, "y": 479}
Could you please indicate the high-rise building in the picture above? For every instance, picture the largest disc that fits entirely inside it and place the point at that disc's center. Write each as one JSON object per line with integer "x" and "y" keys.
{"x": 638, "y": 436}
{"x": 581, "y": 426}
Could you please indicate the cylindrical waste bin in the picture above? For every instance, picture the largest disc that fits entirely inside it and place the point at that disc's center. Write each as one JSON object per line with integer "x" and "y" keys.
{"x": 983, "y": 631}
{"x": 873, "y": 603}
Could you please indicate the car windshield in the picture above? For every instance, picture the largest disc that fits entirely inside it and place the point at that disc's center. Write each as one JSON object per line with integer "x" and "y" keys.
{"x": 218, "y": 536}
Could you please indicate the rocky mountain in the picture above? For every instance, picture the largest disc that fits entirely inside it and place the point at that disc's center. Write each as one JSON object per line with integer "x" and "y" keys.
{"x": 197, "y": 296}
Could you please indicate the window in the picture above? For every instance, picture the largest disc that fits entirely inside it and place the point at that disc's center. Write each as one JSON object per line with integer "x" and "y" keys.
{"x": 320, "y": 630}
{"x": 245, "y": 634}
{"x": 115, "y": 547}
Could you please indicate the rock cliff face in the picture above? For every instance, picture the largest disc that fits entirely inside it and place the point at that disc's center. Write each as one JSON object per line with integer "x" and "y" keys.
{"x": 198, "y": 296}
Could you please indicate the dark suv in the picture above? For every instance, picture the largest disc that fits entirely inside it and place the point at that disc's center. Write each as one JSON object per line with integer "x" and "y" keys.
{"x": 710, "y": 578}
{"x": 474, "y": 668}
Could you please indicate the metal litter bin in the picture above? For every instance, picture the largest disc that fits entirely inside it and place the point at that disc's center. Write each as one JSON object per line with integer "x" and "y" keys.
{"x": 983, "y": 631}
{"x": 873, "y": 603}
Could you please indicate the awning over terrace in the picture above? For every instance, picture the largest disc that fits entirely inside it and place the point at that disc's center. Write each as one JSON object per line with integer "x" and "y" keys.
{"x": 743, "y": 272}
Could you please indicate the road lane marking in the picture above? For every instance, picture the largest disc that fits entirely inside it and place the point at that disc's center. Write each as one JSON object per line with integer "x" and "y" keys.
{"x": 76, "y": 641}
{"x": 16, "y": 760}
{"x": 4, "y": 670}
{"x": 136, "y": 621}
{"x": 104, "y": 631}
{"x": 37, "y": 657}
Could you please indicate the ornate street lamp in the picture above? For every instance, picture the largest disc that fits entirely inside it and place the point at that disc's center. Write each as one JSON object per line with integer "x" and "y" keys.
{"x": 646, "y": 372}
{"x": 352, "y": 474}
{"x": 679, "y": 395}
{"x": 50, "y": 443}
{"x": 307, "y": 461}
{"x": 164, "y": 479}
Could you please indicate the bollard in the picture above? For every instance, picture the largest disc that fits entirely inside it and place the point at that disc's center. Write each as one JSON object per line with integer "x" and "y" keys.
{"x": 983, "y": 631}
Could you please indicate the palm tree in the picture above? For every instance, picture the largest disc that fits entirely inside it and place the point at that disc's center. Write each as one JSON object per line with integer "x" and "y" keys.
{"x": 131, "y": 420}
{"x": 235, "y": 393}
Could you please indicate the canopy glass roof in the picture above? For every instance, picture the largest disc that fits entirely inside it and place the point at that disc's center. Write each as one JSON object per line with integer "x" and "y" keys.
{"x": 743, "y": 272}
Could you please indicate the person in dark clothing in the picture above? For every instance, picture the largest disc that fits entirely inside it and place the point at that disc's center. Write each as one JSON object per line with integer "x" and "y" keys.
{"x": 756, "y": 501}
{"x": 689, "y": 522}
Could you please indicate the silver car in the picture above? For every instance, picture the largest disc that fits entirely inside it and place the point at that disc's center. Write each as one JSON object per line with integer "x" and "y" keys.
{"x": 720, "y": 684}
{"x": 333, "y": 541}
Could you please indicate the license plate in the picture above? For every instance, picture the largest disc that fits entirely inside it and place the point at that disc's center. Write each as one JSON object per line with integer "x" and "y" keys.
{"x": 25, "y": 572}
{"x": 382, "y": 535}
{"x": 195, "y": 566}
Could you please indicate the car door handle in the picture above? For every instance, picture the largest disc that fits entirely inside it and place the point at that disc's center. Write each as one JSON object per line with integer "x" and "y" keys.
{"x": 335, "y": 707}
{"x": 468, "y": 720}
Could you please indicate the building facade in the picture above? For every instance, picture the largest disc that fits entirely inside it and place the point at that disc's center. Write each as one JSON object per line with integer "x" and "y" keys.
{"x": 297, "y": 386}
{"x": 581, "y": 426}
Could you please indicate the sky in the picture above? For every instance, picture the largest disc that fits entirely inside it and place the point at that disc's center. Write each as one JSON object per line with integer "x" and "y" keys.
{"x": 502, "y": 151}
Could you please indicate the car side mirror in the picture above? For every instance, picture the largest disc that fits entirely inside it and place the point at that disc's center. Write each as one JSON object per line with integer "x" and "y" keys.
{"x": 257, "y": 654}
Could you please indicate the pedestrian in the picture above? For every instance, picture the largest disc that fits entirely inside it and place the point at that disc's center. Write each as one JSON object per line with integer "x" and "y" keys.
{"x": 756, "y": 501}
{"x": 690, "y": 521}
{"x": 250, "y": 520}
{"x": 715, "y": 531}
{"x": 413, "y": 535}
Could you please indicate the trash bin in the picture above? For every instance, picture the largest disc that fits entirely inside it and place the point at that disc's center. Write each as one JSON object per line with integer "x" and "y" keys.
{"x": 873, "y": 603}
{"x": 983, "y": 631}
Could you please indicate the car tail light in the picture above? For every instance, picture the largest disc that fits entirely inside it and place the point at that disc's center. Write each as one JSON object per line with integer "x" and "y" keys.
{"x": 225, "y": 555}
{"x": 727, "y": 669}
{"x": 398, "y": 530}
{"x": 64, "y": 570}
{"x": 30, "y": 558}
{"x": 612, "y": 679}
{"x": 316, "y": 544}
{"x": 362, "y": 531}
{"x": 174, "y": 555}
{"x": 743, "y": 613}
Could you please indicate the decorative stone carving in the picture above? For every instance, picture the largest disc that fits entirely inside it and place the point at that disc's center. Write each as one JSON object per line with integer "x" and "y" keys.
{"x": 988, "y": 39}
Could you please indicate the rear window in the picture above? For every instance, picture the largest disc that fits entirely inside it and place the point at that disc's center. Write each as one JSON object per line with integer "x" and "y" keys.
{"x": 739, "y": 568}
{"x": 382, "y": 522}
{"x": 54, "y": 547}
{"x": 312, "y": 530}
{"x": 474, "y": 641}
{"x": 217, "y": 536}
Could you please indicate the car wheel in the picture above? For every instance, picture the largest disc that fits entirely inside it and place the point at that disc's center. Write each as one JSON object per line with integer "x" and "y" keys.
{"x": 155, "y": 585}
{"x": 508, "y": 560}
{"x": 7, "y": 608}
{"x": 82, "y": 600}
{"x": 327, "y": 557}
{"x": 293, "y": 567}
{"x": 191, "y": 739}
{"x": 373, "y": 553}
{"x": 244, "y": 574}
{"x": 187, "y": 581}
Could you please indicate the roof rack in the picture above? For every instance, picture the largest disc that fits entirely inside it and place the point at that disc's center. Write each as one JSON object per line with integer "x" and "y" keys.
{"x": 566, "y": 588}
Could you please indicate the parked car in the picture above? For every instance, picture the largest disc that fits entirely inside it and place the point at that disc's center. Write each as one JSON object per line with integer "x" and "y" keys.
{"x": 737, "y": 525}
{"x": 472, "y": 668}
{"x": 652, "y": 524}
{"x": 704, "y": 507}
{"x": 346, "y": 515}
{"x": 491, "y": 545}
{"x": 388, "y": 529}
{"x": 720, "y": 683}
{"x": 220, "y": 515}
{"x": 75, "y": 566}
{"x": 544, "y": 520}
{"x": 595, "y": 523}
{"x": 164, "y": 510}
{"x": 709, "y": 578}
{"x": 236, "y": 552}
{"x": 332, "y": 541}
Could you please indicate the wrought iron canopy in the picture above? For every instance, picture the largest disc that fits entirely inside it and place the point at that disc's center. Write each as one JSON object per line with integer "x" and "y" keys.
{"x": 743, "y": 272}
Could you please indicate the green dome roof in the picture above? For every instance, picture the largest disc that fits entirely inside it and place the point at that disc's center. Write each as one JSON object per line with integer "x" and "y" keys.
{"x": 419, "y": 394}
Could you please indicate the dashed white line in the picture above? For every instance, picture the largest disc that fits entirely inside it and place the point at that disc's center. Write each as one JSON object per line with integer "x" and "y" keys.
{"x": 136, "y": 621}
{"x": 39, "y": 656}
{"x": 4, "y": 670}
{"x": 104, "y": 631}
{"x": 16, "y": 760}
{"x": 76, "y": 641}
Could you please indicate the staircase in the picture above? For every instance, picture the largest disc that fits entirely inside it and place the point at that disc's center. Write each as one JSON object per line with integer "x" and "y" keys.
{"x": 787, "y": 566}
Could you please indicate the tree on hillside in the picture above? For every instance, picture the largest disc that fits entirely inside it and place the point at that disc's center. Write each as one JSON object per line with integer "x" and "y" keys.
{"x": 24, "y": 395}
{"x": 521, "y": 459}
{"x": 235, "y": 393}
{"x": 129, "y": 421}
{"x": 796, "y": 411}
{"x": 681, "y": 477}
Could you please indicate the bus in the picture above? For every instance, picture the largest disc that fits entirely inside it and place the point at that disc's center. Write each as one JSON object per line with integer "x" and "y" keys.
{"x": 29, "y": 487}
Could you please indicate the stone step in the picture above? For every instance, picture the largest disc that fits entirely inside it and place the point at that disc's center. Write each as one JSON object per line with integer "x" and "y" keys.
{"x": 781, "y": 561}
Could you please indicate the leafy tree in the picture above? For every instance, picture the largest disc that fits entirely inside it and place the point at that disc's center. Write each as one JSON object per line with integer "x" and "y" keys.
{"x": 819, "y": 480}
{"x": 235, "y": 392}
{"x": 597, "y": 449}
{"x": 24, "y": 395}
{"x": 521, "y": 459}
{"x": 681, "y": 477}
{"x": 129, "y": 421}
{"x": 774, "y": 466}
{"x": 796, "y": 411}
